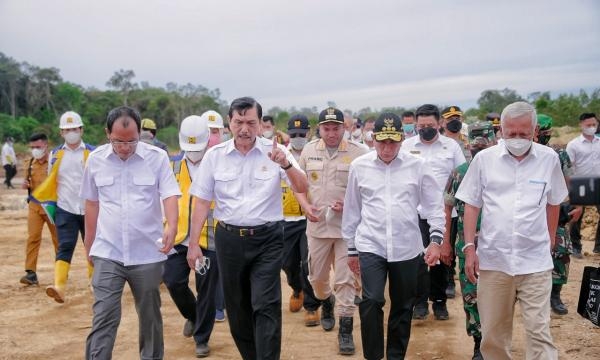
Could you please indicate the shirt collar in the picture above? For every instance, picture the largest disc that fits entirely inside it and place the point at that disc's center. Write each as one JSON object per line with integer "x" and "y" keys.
{"x": 583, "y": 139}
{"x": 81, "y": 146}
{"x": 140, "y": 150}
{"x": 342, "y": 147}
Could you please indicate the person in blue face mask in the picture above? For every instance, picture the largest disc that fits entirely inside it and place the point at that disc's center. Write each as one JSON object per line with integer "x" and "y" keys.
{"x": 408, "y": 124}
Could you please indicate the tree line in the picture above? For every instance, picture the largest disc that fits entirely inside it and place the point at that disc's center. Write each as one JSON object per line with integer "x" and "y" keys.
{"x": 32, "y": 98}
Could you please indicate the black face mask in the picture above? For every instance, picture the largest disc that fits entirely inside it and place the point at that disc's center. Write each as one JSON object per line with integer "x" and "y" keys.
{"x": 454, "y": 125}
{"x": 428, "y": 133}
{"x": 543, "y": 139}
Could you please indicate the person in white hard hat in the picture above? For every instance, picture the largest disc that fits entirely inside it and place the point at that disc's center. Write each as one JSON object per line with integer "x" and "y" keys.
{"x": 199, "y": 311}
{"x": 215, "y": 126}
{"x": 59, "y": 196}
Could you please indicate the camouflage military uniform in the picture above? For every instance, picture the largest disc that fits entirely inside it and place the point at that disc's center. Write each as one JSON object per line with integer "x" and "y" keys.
{"x": 561, "y": 253}
{"x": 468, "y": 289}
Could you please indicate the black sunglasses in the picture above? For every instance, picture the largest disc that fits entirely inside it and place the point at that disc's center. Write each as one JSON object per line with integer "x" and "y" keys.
{"x": 298, "y": 135}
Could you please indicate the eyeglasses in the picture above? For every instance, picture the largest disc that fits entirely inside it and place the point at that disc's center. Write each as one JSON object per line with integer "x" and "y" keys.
{"x": 124, "y": 143}
{"x": 302, "y": 135}
{"x": 203, "y": 266}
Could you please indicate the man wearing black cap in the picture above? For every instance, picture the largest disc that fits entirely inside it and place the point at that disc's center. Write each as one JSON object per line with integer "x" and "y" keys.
{"x": 326, "y": 162}
{"x": 295, "y": 246}
{"x": 381, "y": 227}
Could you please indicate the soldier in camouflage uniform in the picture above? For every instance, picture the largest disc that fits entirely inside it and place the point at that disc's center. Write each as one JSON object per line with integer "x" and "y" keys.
{"x": 563, "y": 247}
{"x": 481, "y": 136}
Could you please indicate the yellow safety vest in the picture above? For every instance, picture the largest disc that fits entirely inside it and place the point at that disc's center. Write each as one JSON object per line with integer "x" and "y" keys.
{"x": 291, "y": 207}
{"x": 185, "y": 203}
{"x": 47, "y": 193}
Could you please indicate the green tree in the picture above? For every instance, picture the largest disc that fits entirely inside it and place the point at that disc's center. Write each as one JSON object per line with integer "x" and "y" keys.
{"x": 496, "y": 100}
{"x": 122, "y": 81}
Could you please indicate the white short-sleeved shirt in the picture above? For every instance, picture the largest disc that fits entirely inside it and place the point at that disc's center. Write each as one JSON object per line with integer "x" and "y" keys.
{"x": 380, "y": 215}
{"x": 246, "y": 188}
{"x": 130, "y": 194}
{"x": 585, "y": 156}
{"x": 513, "y": 196}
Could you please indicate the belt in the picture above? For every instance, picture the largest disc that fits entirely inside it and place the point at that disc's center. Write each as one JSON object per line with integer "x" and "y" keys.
{"x": 248, "y": 230}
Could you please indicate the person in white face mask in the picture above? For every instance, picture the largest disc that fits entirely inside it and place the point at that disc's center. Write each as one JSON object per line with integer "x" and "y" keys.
{"x": 59, "y": 196}
{"x": 199, "y": 312}
{"x": 36, "y": 173}
{"x": 518, "y": 187}
{"x": 269, "y": 131}
{"x": 295, "y": 245}
{"x": 584, "y": 152}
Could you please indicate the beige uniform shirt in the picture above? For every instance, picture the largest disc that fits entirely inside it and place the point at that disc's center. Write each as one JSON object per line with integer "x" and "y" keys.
{"x": 327, "y": 180}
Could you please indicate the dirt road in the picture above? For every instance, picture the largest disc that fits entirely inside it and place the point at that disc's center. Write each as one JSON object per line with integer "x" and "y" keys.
{"x": 32, "y": 326}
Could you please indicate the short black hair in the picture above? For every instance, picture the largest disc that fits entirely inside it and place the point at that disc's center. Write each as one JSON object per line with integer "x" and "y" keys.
{"x": 428, "y": 110}
{"x": 268, "y": 118}
{"x": 38, "y": 136}
{"x": 408, "y": 114}
{"x": 586, "y": 116}
{"x": 125, "y": 112}
{"x": 240, "y": 105}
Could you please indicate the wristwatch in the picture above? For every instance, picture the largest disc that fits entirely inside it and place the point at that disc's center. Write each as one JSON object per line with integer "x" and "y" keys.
{"x": 435, "y": 239}
{"x": 289, "y": 165}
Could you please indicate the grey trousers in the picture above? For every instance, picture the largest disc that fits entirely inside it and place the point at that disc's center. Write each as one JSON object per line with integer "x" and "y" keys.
{"x": 108, "y": 282}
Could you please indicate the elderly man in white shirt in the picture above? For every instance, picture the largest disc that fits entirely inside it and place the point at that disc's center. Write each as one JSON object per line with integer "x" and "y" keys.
{"x": 243, "y": 176}
{"x": 123, "y": 185}
{"x": 584, "y": 152}
{"x": 380, "y": 223}
{"x": 443, "y": 155}
{"x": 518, "y": 186}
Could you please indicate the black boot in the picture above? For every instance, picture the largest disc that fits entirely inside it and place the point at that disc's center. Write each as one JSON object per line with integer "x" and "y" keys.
{"x": 345, "y": 339}
{"x": 556, "y": 303}
{"x": 476, "y": 351}
{"x": 327, "y": 313}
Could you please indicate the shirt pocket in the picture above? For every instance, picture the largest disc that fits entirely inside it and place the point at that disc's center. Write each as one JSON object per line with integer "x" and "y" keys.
{"x": 314, "y": 171}
{"x": 341, "y": 175}
{"x": 226, "y": 183}
{"x": 143, "y": 180}
{"x": 535, "y": 192}
{"x": 264, "y": 180}
{"x": 102, "y": 181}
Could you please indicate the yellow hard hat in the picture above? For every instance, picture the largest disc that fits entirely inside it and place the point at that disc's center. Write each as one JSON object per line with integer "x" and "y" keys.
{"x": 148, "y": 124}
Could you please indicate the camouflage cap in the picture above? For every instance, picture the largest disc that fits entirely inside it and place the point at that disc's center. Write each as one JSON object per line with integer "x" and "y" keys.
{"x": 544, "y": 121}
{"x": 481, "y": 133}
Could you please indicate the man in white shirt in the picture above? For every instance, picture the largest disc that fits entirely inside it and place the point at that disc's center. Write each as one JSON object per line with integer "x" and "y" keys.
{"x": 380, "y": 223}
{"x": 584, "y": 152}
{"x": 123, "y": 185}
{"x": 9, "y": 162}
{"x": 243, "y": 176}
{"x": 443, "y": 156}
{"x": 522, "y": 183}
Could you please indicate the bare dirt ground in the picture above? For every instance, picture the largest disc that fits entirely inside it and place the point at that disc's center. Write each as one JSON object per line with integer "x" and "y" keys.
{"x": 32, "y": 326}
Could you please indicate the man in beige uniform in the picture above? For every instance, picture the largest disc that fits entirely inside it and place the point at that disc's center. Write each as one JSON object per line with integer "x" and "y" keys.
{"x": 326, "y": 162}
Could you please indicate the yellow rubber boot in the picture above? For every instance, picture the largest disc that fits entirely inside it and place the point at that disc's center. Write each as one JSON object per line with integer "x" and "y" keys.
{"x": 61, "y": 274}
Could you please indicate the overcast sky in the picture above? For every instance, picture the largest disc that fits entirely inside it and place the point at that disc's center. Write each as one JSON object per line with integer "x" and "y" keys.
{"x": 305, "y": 53}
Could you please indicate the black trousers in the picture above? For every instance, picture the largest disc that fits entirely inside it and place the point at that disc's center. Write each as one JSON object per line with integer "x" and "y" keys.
{"x": 432, "y": 282}
{"x": 250, "y": 269}
{"x": 402, "y": 292}
{"x": 200, "y": 309}
{"x": 9, "y": 173}
{"x": 295, "y": 261}
{"x": 575, "y": 233}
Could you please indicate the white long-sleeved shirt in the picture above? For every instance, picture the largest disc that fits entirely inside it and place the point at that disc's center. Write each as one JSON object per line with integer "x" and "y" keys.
{"x": 129, "y": 194}
{"x": 380, "y": 206}
{"x": 8, "y": 155}
{"x": 513, "y": 196}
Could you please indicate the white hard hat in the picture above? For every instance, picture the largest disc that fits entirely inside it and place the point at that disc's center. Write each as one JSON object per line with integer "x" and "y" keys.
{"x": 213, "y": 118}
{"x": 193, "y": 133}
{"x": 70, "y": 120}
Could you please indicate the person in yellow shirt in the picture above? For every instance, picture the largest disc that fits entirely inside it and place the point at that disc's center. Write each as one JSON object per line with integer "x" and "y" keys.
{"x": 198, "y": 310}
